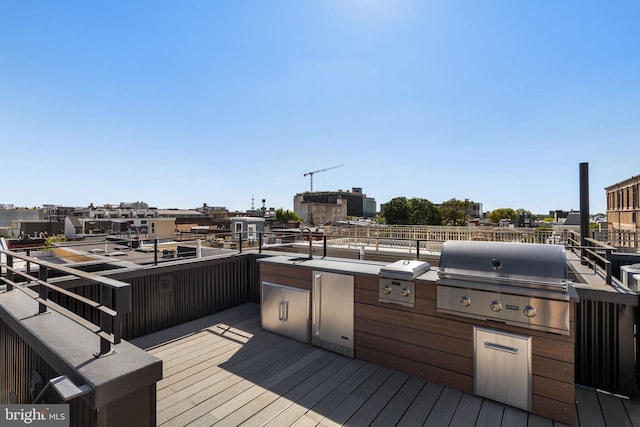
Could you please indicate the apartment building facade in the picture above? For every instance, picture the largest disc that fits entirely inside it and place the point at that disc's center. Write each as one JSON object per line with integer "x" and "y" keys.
{"x": 623, "y": 204}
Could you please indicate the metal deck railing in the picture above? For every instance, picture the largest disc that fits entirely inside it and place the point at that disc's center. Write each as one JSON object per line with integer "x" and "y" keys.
{"x": 114, "y": 301}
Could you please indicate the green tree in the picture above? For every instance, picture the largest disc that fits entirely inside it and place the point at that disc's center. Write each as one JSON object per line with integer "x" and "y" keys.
{"x": 455, "y": 212}
{"x": 423, "y": 212}
{"x": 503, "y": 213}
{"x": 286, "y": 216}
{"x": 396, "y": 211}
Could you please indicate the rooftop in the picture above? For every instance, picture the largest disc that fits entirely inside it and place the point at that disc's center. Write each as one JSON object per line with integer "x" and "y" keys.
{"x": 225, "y": 370}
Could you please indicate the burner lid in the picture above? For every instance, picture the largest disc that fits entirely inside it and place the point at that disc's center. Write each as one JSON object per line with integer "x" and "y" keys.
{"x": 404, "y": 269}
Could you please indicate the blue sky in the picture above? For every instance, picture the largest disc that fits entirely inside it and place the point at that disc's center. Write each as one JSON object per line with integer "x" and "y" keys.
{"x": 180, "y": 103}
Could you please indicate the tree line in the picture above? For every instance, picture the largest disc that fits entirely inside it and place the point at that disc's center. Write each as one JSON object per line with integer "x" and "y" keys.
{"x": 417, "y": 211}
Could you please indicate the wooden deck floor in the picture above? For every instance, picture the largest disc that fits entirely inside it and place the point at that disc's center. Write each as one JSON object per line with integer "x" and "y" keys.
{"x": 225, "y": 370}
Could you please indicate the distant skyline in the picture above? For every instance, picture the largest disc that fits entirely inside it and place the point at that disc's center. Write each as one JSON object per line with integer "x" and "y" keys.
{"x": 183, "y": 103}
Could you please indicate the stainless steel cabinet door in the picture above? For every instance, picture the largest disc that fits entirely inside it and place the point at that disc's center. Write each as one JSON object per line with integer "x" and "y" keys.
{"x": 271, "y": 307}
{"x": 332, "y": 319}
{"x": 285, "y": 311}
{"x": 295, "y": 310}
{"x": 502, "y": 367}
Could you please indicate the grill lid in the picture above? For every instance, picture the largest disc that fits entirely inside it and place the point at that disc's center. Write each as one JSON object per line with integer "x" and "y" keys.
{"x": 404, "y": 269}
{"x": 524, "y": 264}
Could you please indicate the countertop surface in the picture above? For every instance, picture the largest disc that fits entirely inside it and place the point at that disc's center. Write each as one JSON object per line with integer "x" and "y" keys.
{"x": 339, "y": 265}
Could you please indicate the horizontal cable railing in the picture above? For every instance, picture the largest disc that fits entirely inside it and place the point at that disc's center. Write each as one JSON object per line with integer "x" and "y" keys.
{"x": 115, "y": 296}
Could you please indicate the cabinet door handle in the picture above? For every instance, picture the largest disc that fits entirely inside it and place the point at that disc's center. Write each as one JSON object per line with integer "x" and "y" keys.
{"x": 499, "y": 347}
{"x": 316, "y": 304}
{"x": 281, "y": 311}
{"x": 286, "y": 310}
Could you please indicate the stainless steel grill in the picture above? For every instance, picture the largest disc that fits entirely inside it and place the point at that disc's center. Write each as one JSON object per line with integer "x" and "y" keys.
{"x": 396, "y": 281}
{"x": 519, "y": 284}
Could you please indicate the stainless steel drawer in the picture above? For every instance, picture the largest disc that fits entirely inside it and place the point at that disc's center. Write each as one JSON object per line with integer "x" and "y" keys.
{"x": 502, "y": 367}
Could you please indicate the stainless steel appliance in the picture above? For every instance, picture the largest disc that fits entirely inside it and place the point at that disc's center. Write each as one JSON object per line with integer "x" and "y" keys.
{"x": 396, "y": 281}
{"x": 520, "y": 284}
{"x": 285, "y": 311}
{"x": 502, "y": 367}
{"x": 332, "y": 312}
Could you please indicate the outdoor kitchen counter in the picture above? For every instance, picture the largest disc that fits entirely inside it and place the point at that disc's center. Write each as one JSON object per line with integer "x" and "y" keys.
{"x": 434, "y": 346}
{"x": 334, "y": 265}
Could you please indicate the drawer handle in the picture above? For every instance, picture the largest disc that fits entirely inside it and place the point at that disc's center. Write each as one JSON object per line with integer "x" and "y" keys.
{"x": 499, "y": 347}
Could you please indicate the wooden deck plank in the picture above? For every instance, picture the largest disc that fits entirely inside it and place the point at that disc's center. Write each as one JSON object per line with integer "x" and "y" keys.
{"x": 314, "y": 383}
{"x": 190, "y": 356}
{"x": 211, "y": 378}
{"x": 299, "y": 408}
{"x": 444, "y": 409}
{"x": 229, "y": 359}
{"x": 633, "y": 410}
{"x": 184, "y": 378}
{"x": 330, "y": 401}
{"x": 398, "y": 405}
{"x": 235, "y": 315}
{"x": 339, "y": 415}
{"x": 215, "y": 333}
{"x": 538, "y": 421}
{"x": 365, "y": 415}
{"x": 224, "y": 390}
{"x": 613, "y": 410}
{"x": 242, "y": 333}
{"x": 514, "y": 417}
{"x": 260, "y": 397}
{"x": 233, "y": 372}
{"x": 341, "y": 393}
{"x": 304, "y": 421}
{"x": 422, "y": 405}
{"x": 237, "y": 381}
{"x": 589, "y": 412}
{"x": 490, "y": 414}
{"x": 470, "y": 405}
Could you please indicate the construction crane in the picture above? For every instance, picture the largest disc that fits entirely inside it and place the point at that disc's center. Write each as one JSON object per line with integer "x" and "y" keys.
{"x": 319, "y": 170}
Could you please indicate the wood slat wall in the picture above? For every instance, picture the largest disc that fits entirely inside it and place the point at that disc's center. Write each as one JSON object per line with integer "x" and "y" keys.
{"x": 18, "y": 365}
{"x": 439, "y": 347}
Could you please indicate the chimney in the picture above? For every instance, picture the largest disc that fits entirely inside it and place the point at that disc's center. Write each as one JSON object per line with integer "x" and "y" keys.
{"x": 584, "y": 205}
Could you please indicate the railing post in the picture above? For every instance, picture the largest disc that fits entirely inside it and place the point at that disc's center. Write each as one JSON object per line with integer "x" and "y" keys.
{"x": 418, "y": 249}
{"x": 260, "y": 243}
{"x": 324, "y": 246}
{"x": 28, "y": 262}
{"x": 155, "y": 251}
{"x": 608, "y": 267}
{"x": 42, "y": 289}
{"x": 106, "y": 321}
{"x": 9, "y": 271}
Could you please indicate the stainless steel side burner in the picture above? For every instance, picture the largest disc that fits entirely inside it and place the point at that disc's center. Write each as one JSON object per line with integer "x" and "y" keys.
{"x": 519, "y": 284}
{"x": 396, "y": 281}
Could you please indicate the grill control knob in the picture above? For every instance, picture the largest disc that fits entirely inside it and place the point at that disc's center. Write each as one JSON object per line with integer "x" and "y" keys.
{"x": 465, "y": 301}
{"x": 495, "y": 305}
{"x": 386, "y": 289}
{"x": 529, "y": 311}
{"x": 404, "y": 292}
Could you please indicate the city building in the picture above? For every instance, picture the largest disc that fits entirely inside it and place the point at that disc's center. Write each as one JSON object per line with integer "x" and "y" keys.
{"x": 330, "y": 206}
{"x": 623, "y": 204}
